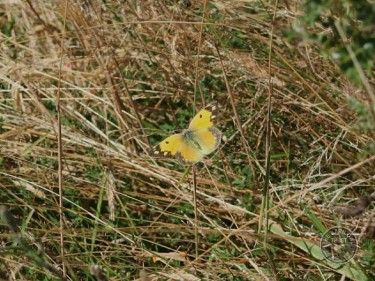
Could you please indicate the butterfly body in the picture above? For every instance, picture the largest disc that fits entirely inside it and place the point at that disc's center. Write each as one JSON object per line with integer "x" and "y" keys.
{"x": 190, "y": 146}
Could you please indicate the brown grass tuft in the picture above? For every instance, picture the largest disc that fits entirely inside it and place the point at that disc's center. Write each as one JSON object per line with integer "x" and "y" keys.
{"x": 133, "y": 72}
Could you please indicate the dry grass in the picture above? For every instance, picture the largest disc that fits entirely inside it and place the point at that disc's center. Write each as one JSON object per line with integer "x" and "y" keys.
{"x": 128, "y": 72}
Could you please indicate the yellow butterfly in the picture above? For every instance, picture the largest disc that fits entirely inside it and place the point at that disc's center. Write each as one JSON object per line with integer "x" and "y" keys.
{"x": 199, "y": 139}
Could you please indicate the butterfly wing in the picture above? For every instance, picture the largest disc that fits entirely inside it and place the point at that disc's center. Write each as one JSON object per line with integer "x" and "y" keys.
{"x": 189, "y": 153}
{"x": 204, "y": 118}
{"x": 169, "y": 147}
{"x": 207, "y": 139}
{"x": 201, "y": 143}
{"x": 181, "y": 148}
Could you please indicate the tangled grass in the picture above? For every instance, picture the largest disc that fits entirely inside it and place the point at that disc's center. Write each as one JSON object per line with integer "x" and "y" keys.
{"x": 87, "y": 87}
